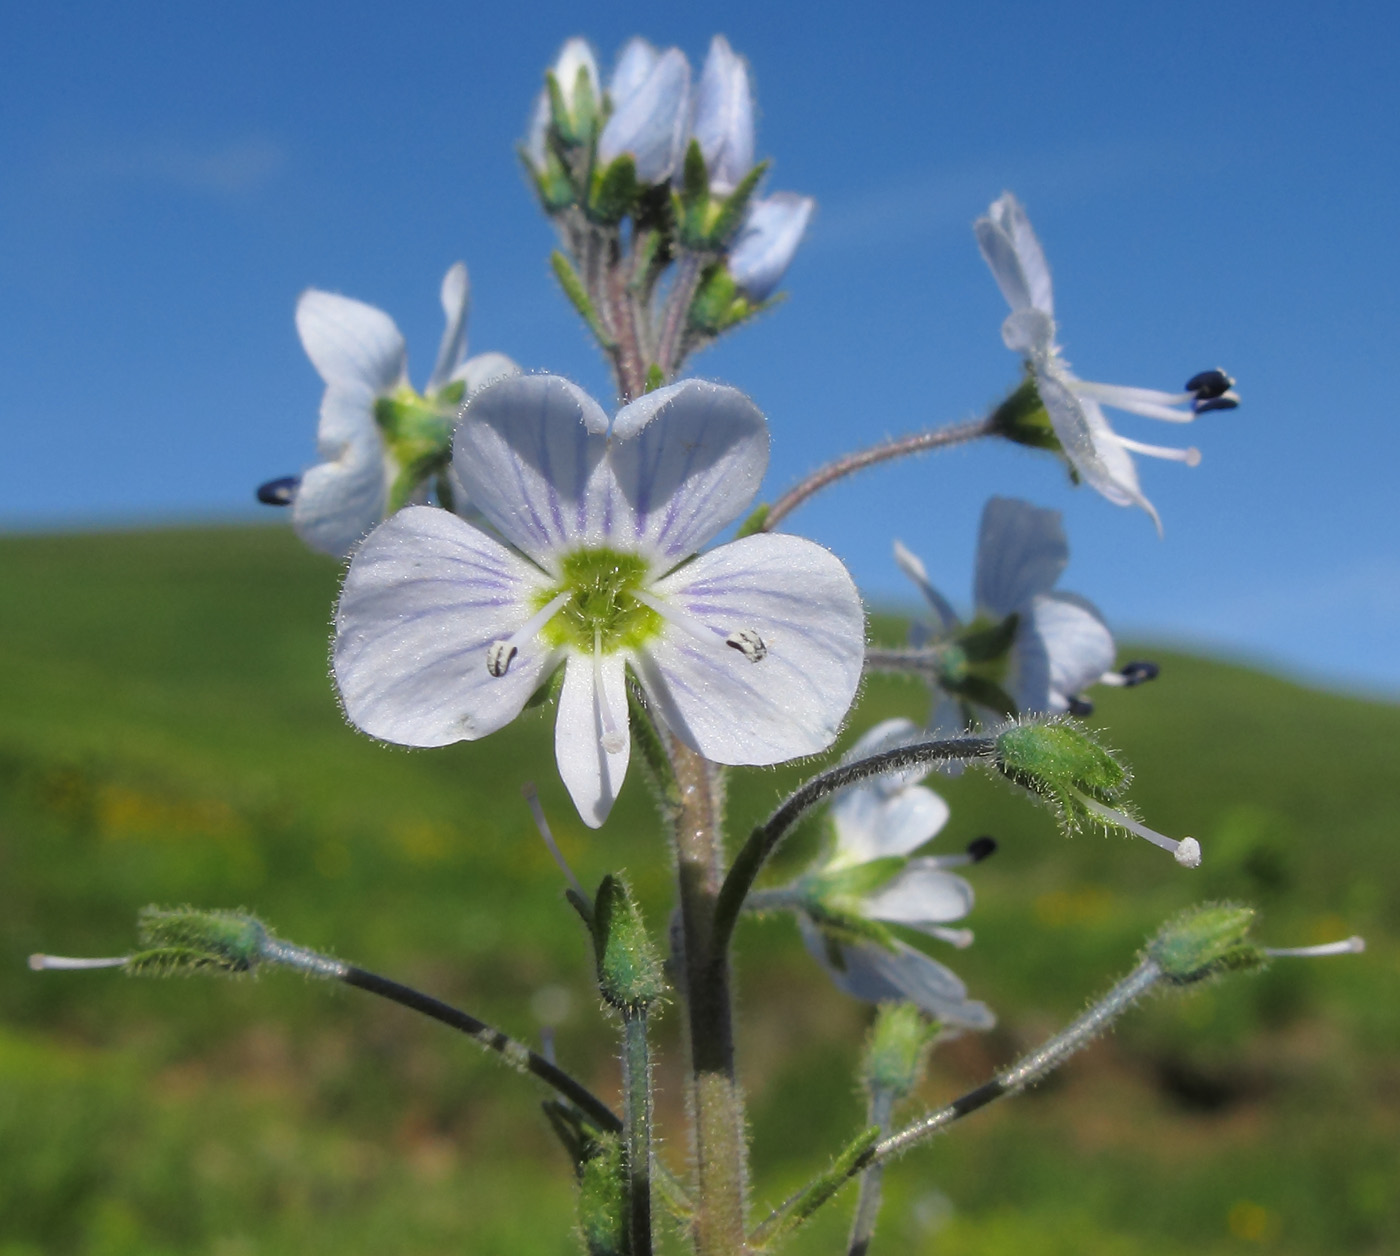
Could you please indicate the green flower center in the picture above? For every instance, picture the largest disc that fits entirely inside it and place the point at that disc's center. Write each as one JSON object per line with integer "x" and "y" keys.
{"x": 603, "y": 606}
{"x": 418, "y": 435}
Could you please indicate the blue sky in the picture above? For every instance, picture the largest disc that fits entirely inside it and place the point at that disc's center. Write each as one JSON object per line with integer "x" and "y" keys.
{"x": 1214, "y": 185}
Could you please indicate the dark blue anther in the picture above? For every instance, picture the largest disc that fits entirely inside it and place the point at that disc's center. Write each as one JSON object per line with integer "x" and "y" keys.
{"x": 980, "y": 847}
{"x": 1138, "y": 672}
{"x": 279, "y": 492}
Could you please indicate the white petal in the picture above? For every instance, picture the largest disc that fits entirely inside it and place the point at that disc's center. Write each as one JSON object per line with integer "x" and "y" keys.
{"x": 576, "y": 55}
{"x": 478, "y": 372}
{"x": 723, "y": 122}
{"x": 340, "y": 500}
{"x": 634, "y": 63}
{"x": 1012, "y": 216}
{"x": 591, "y": 773}
{"x": 1062, "y": 646}
{"x": 425, "y": 596}
{"x": 689, "y": 459}
{"x": 764, "y": 247}
{"x": 1089, "y": 442}
{"x": 800, "y": 601}
{"x": 1021, "y": 551}
{"x": 1030, "y": 333}
{"x": 456, "y": 294}
{"x": 867, "y": 971}
{"x": 529, "y": 450}
{"x": 870, "y": 825}
{"x": 535, "y": 138}
{"x": 913, "y": 566}
{"x": 351, "y": 344}
{"x": 1000, "y": 254}
{"x": 651, "y": 122}
{"x": 920, "y": 896}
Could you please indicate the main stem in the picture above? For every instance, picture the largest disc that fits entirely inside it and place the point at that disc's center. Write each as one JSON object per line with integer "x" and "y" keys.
{"x": 717, "y": 1107}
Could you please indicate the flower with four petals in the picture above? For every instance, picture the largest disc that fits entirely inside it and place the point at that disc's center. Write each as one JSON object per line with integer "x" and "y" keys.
{"x": 749, "y": 653}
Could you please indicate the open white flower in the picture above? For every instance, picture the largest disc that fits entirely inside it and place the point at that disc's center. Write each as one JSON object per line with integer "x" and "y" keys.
{"x": 1097, "y": 453}
{"x": 382, "y": 444}
{"x": 866, "y": 875}
{"x": 749, "y": 653}
{"x": 1058, "y": 642}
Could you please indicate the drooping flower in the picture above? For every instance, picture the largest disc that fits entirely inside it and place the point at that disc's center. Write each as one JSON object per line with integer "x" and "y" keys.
{"x": 749, "y": 653}
{"x": 764, "y": 248}
{"x": 1097, "y": 453}
{"x": 382, "y": 444}
{"x": 866, "y": 881}
{"x": 1028, "y": 642}
{"x": 650, "y": 94}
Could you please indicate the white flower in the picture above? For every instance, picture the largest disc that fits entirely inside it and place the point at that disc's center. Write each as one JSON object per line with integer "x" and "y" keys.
{"x": 764, "y": 247}
{"x": 650, "y": 94}
{"x": 880, "y": 820}
{"x": 1096, "y": 452}
{"x": 1060, "y": 643}
{"x": 382, "y": 443}
{"x": 723, "y": 122}
{"x": 749, "y": 653}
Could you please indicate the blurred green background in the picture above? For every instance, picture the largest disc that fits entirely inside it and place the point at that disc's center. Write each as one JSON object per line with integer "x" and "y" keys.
{"x": 168, "y": 734}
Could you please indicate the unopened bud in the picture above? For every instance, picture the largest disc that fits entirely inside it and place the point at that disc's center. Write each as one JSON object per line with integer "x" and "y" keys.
{"x": 897, "y": 1049}
{"x": 1205, "y": 941}
{"x": 629, "y": 970}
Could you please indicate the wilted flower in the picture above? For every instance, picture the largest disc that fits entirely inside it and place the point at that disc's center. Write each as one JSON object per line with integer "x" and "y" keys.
{"x": 1028, "y": 641}
{"x": 749, "y": 653}
{"x": 865, "y": 881}
{"x": 650, "y": 94}
{"x": 383, "y": 445}
{"x": 1095, "y": 451}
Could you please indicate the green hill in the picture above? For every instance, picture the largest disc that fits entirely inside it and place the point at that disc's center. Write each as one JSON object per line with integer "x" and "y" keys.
{"x": 168, "y": 734}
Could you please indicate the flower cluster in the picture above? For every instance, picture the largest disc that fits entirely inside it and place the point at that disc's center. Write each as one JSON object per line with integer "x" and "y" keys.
{"x": 1096, "y": 453}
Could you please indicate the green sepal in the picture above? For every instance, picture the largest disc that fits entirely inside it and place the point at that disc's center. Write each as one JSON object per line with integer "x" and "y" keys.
{"x": 552, "y": 183}
{"x": 231, "y": 940}
{"x": 602, "y": 1195}
{"x": 842, "y": 927}
{"x": 578, "y": 296}
{"x": 1206, "y": 941}
{"x": 719, "y": 303}
{"x": 614, "y": 191}
{"x": 1023, "y": 418}
{"x": 629, "y": 969}
{"x": 982, "y": 644}
{"x": 649, "y": 256}
{"x": 172, "y": 961}
{"x": 853, "y": 881}
{"x": 450, "y": 395}
{"x": 693, "y": 200}
{"x": 586, "y": 108}
{"x": 754, "y": 523}
{"x": 419, "y": 437}
{"x": 728, "y": 216}
{"x": 897, "y": 1049}
{"x": 1061, "y": 763}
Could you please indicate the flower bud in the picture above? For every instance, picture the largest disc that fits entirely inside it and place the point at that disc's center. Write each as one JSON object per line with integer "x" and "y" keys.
{"x": 649, "y": 113}
{"x": 897, "y": 1049}
{"x": 629, "y": 971}
{"x": 723, "y": 122}
{"x": 767, "y": 242}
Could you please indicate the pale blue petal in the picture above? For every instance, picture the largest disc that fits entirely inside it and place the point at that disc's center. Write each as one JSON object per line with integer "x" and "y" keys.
{"x": 913, "y": 567}
{"x": 765, "y": 246}
{"x": 592, "y": 775}
{"x": 576, "y": 55}
{"x": 341, "y": 499}
{"x": 651, "y": 122}
{"x": 634, "y": 63}
{"x": 869, "y": 972}
{"x": 886, "y": 735}
{"x": 1021, "y": 551}
{"x": 871, "y": 825}
{"x": 1029, "y": 332}
{"x": 1010, "y": 213}
{"x": 1062, "y": 646}
{"x": 425, "y": 596}
{"x": 800, "y": 601}
{"x": 723, "y": 123}
{"x": 920, "y": 896}
{"x": 352, "y": 345}
{"x": 688, "y": 459}
{"x": 529, "y": 450}
{"x": 456, "y": 294}
{"x": 482, "y": 370}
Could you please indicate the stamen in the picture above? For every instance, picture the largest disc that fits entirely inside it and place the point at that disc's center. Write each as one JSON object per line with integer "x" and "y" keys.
{"x": 500, "y": 654}
{"x": 981, "y": 847}
{"x": 614, "y": 742}
{"x": 1187, "y": 851}
{"x": 1208, "y": 385}
{"x": 279, "y": 492}
{"x": 748, "y": 643}
{"x": 65, "y": 963}
{"x": 1147, "y": 402}
{"x": 1350, "y": 946}
{"x": 532, "y": 800}
{"x": 977, "y": 850}
{"x": 1139, "y": 672}
{"x": 1191, "y": 457}
{"x": 1226, "y": 401}
{"x": 745, "y": 640}
{"x": 1080, "y": 708}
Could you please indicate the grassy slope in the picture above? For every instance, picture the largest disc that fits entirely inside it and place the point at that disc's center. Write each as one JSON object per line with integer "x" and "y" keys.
{"x": 167, "y": 733}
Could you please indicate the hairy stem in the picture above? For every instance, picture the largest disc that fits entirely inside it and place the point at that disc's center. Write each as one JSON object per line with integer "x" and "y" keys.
{"x": 849, "y": 464}
{"x": 637, "y": 1113}
{"x": 515, "y": 1052}
{"x": 880, "y": 1111}
{"x": 677, "y": 313}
